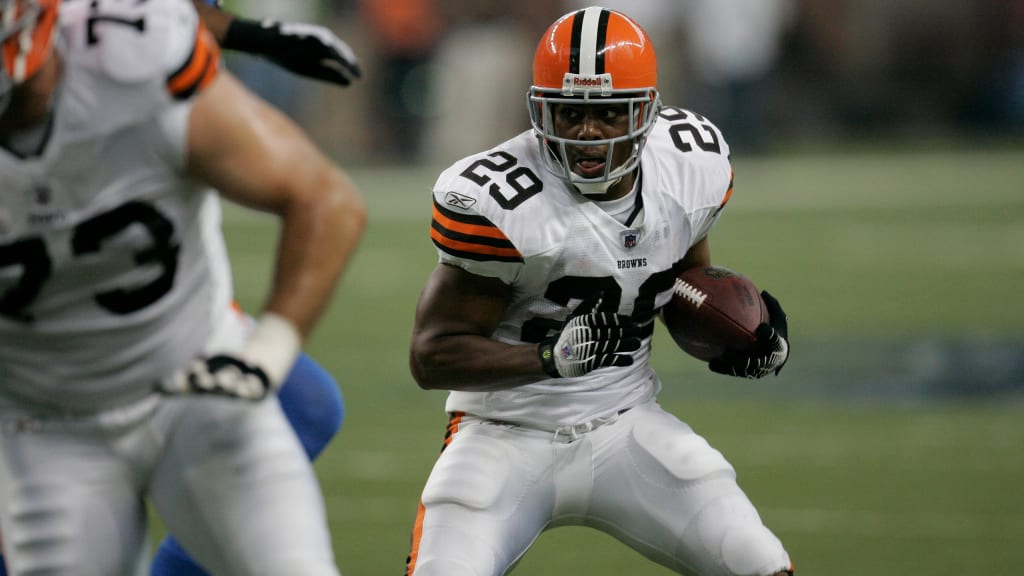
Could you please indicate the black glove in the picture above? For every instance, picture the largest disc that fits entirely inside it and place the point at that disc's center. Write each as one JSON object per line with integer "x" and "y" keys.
{"x": 769, "y": 353}
{"x": 221, "y": 374}
{"x": 588, "y": 341}
{"x": 305, "y": 49}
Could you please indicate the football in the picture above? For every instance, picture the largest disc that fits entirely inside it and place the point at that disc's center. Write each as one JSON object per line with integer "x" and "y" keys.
{"x": 713, "y": 309}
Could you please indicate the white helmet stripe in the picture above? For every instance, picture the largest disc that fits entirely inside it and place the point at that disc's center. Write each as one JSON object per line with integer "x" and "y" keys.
{"x": 7, "y": 11}
{"x": 588, "y": 41}
{"x": 18, "y": 24}
{"x": 589, "y": 32}
{"x": 25, "y": 48}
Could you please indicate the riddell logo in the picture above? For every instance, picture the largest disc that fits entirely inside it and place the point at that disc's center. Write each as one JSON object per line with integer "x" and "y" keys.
{"x": 586, "y": 82}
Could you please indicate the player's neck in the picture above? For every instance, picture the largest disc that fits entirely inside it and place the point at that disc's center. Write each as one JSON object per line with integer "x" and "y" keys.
{"x": 31, "y": 101}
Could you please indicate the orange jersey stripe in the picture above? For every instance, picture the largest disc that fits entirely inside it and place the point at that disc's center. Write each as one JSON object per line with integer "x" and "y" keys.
{"x": 728, "y": 193}
{"x": 199, "y": 70}
{"x": 469, "y": 229}
{"x": 470, "y": 236}
{"x": 479, "y": 249}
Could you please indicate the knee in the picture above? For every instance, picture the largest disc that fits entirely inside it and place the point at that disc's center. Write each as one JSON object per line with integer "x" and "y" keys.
{"x": 311, "y": 400}
{"x": 295, "y": 564}
{"x": 752, "y": 550}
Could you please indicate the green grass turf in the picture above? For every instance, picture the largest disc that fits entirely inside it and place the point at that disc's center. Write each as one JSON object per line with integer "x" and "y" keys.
{"x": 873, "y": 246}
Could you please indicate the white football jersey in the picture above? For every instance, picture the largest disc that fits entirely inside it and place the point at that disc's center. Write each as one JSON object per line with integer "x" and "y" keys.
{"x": 501, "y": 214}
{"x": 112, "y": 266}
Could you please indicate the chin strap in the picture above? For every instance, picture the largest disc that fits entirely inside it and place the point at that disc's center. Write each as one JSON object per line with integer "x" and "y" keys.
{"x": 594, "y": 188}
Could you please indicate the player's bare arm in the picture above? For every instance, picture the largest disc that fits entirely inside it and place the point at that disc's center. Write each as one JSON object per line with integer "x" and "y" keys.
{"x": 698, "y": 255}
{"x": 257, "y": 157}
{"x": 215, "y": 19}
{"x": 451, "y": 345}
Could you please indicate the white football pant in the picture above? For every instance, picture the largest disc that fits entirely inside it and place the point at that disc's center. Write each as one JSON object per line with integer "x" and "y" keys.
{"x": 643, "y": 476}
{"x": 228, "y": 477}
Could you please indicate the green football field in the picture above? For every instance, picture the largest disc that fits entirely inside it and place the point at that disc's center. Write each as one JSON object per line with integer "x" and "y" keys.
{"x": 890, "y": 266}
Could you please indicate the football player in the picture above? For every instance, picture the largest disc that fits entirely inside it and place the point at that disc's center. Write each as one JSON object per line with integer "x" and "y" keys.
{"x": 310, "y": 397}
{"x": 557, "y": 248}
{"x": 127, "y": 373}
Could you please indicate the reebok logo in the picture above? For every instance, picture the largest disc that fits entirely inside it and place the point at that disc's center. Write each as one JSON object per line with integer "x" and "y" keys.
{"x": 459, "y": 200}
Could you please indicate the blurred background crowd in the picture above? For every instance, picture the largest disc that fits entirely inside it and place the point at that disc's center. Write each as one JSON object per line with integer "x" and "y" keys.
{"x": 444, "y": 78}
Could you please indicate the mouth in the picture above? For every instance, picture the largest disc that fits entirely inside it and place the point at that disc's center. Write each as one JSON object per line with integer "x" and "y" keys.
{"x": 589, "y": 165}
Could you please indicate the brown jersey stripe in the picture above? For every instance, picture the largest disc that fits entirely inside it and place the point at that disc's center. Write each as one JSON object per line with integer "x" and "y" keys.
{"x": 470, "y": 236}
{"x": 467, "y": 225}
{"x": 199, "y": 69}
{"x": 474, "y": 250}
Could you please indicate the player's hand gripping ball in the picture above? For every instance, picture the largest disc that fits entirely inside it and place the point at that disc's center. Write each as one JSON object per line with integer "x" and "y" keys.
{"x": 717, "y": 315}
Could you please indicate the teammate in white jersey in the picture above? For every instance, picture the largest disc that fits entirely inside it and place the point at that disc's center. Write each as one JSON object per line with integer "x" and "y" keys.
{"x": 310, "y": 397}
{"x": 557, "y": 249}
{"x": 125, "y": 372}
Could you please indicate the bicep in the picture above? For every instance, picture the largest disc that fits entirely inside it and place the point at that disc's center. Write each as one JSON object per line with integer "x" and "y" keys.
{"x": 455, "y": 302}
{"x": 699, "y": 255}
{"x": 249, "y": 151}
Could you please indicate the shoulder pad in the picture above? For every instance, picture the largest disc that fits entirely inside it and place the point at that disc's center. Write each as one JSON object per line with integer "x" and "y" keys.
{"x": 134, "y": 42}
{"x": 689, "y": 132}
{"x": 692, "y": 159}
{"x": 498, "y": 179}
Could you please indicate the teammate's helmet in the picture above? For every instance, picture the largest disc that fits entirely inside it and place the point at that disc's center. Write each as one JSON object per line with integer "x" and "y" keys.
{"x": 587, "y": 55}
{"x": 26, "y": 33}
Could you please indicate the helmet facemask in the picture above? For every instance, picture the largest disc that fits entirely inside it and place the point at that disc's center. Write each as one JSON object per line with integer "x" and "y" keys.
{"x": 641, "y": 109}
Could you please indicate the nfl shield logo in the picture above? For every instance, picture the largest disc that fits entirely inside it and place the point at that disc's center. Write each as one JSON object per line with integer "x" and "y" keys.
{"x": 630, "y": 238}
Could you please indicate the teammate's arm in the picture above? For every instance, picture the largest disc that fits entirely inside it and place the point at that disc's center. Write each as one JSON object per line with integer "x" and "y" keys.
{"x": 215, "y": 19}
{"x": 308, "y": 50}
{"x": 256, "y": 156}
{"x": 451, "y": 346}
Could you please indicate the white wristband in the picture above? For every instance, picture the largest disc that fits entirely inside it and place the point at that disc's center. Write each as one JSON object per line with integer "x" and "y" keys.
{"x": 274, "y": 345}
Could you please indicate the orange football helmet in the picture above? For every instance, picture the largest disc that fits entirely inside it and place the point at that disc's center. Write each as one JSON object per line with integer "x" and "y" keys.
{"x": 27, "y": 30}
{"x": 587, "y": 55}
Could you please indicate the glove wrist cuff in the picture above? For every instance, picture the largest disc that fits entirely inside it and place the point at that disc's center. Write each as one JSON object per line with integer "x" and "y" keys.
{"x": 254, "y": 37}
{"x": 274, "y": 345}
{"x": 547, "y": 358}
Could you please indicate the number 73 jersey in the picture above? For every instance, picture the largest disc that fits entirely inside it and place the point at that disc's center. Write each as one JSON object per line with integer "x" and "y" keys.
{"x": 501, "y": 214}
{"x": 112, "y": 267}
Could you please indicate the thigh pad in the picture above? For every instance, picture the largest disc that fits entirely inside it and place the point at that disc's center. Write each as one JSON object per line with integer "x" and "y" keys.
{"x": 472, "y": 471}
